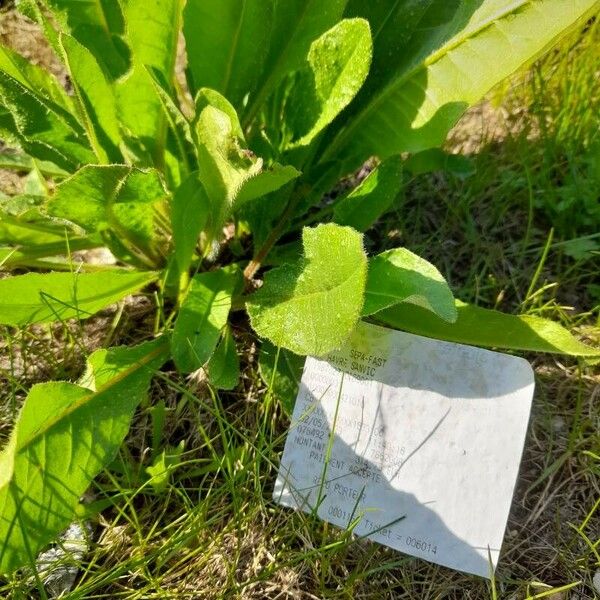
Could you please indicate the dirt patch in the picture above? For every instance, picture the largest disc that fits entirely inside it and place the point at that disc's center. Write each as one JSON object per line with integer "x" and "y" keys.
{"x": 25, "y": 37}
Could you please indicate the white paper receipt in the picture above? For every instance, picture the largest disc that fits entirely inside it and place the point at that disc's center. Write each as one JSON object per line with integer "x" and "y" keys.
{"x": 410, "y": 442}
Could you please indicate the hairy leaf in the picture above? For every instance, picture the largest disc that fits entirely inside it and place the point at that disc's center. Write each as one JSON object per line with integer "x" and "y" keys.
{"x": 484, "y": 327}
{"x": 311, "y": 307}
{"x": 35, "y": 78}
{"x": 42, "y": 298}
{"x": 452, "y": 49}
{"x": 373, "y": 197}
{"x": 338, "y": 64}
{"x": 227, "y": 43}
{"x": 281, "y": 371}
{"x": 296, "y": 24}
{"x": 116, "y": 200}
{"x": 152, "y": 30}
{"x": 65, "y": 435}
{"x": 398, "y": 275}
{"x": 99, "y": 25}
{"x": 202, "y": 317}
{"x": 231, "y": 175}
{"x": 96, "y": 100}
{"x": 43, "y": 129}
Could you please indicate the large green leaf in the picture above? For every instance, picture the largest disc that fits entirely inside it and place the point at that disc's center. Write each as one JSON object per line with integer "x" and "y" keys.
{"x": 227, "y": 43}
{"x": 117, "y": 201}
{"x": 338, "y": 64}
{"x": 35, "y": 78}
{"x": 98, "y": 25}
{"x": 152, "y": 31}
{"x": 202, "y": 317}
{"x": 41, "y": 298}
{"x": 43, "y": 129}
{"x": 189, "y": 213}
{"x": 457, "y": 52}
{"x": 376, "y": 194}
{"x": 296, "y": 24}
{"x": 484, "y": 327}
{"x": 65, "y": 435}
{"x": 398, "y": 275}
{"x": 312, "y": 306}
{"x": 96, "y": 100}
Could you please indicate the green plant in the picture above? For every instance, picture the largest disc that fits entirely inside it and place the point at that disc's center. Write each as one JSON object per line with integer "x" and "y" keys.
{"x": 287, "y": 98}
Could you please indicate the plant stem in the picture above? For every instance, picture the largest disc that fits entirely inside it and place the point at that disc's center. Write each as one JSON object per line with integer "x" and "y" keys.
{"x": 299, "y": 192}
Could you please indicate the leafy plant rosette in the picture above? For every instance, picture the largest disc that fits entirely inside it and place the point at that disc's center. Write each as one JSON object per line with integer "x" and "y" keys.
{"x": 282, "y": 99}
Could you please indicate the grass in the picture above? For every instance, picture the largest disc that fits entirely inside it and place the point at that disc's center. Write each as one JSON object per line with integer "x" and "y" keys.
{"x": 503, "y": 240}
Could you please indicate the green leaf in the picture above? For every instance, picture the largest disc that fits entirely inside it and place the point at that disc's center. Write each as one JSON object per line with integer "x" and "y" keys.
{"x": 24, "y": 206}
{"x": 281, "y": 371}
{"x": 484, "y": 327}
{"x": 96, "y": 100}
{"x": 202, "y": 317}
{"x": 189, "y": 214}
{"x": 35, "y": 78}
{"x": 400, "y": 276}
{"x": 435, "y": 159}
{"x": 98, "y": 25}
{"x": 42, "y": 298}
{"x": 223, "y": 368}
{"x": 207, "y": 97}
{"x": 446, "y": 68}
{"x": 231, "y": 175}
{"x": 43, "y": 129}
{"x": 14, "y": 160}
{"x": 270, "y": 179}
{"x": 163, "y": 466}
{"x": 152, "y": 31}
{"x": 338, "y": 64}
{"x": 296, "y": 24}
{"x": 224, "y": 167}
{"x": 26, "y": 255}
{"x": 20, "y": 232}
{"x": 117, "y": 201}
{"x": 374, "y": 196}
{"x": 180, "y": 126}
{"x": 65, "y": 435}
{"x": 312, "y": 306}
{"x": 227, "y": 43}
